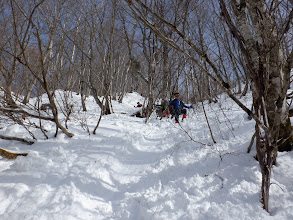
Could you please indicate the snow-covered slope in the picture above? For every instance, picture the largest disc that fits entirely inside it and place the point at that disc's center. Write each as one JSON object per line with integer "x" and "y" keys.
{"x": 133, "y": 170}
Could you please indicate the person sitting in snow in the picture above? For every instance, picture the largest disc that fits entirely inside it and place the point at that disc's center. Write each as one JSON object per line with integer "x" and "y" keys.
{"x": 178, "y": 109}
{"x": 162, "y": 110}
{"x": 138, "y": 105}
{"x": 165, "y": 108}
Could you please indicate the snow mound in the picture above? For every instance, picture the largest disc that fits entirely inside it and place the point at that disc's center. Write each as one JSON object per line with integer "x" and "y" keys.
{"x": 131, "y": 99}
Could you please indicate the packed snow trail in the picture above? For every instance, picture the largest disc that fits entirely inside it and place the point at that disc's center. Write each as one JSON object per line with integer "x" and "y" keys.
{"x": 133, "y": 170}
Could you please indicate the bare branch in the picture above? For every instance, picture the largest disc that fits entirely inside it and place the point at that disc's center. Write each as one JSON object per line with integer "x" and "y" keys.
{"x": 21, "y": 111}
{"x": 16, "y": 139}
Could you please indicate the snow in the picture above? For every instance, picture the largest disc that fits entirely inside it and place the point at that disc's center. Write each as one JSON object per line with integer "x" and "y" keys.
{"x": 133, "y": 170}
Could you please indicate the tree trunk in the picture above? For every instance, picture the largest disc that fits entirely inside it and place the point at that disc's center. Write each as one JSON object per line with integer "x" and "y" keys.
{"x": 29, "y": 91}
{"x": 151, "y": 100}
{"x": 287, "y": 138}
{"x": 82, "y": 96}
{"x": 269, "y": 78}
{"x": 245, "y": 90}
{"x": 165, "y": 71}
{"x": 124, "y": 84}
{"x": 9, "y": 78}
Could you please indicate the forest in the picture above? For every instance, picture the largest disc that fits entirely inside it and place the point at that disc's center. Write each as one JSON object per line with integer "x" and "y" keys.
{"x": 73, "y": 69}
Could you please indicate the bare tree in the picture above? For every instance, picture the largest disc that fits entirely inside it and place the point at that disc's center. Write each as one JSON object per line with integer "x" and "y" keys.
{"x": 44, "y": 51}
{"x": 260, "y": 40}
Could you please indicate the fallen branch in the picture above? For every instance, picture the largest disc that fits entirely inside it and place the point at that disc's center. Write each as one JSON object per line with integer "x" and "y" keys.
{"x": 16, "y": 139}
{"x": 206, "y": 117}
{"x": 9, "y": 155}
{"x": 191, "y": 138}
{"x": 21, "y": 111}
{"x": 251, "y": 143}
{"x": 100, "y": 118}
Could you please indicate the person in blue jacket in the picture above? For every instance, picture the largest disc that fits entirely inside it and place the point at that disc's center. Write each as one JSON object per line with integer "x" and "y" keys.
{"x": 178, "y": 107}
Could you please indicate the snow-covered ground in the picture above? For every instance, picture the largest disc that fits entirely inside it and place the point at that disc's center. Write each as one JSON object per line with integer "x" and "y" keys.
{"x": 133, "y": 170}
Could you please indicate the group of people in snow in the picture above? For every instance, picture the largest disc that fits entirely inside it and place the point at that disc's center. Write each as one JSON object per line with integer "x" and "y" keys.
{"x": 174, "y": 107}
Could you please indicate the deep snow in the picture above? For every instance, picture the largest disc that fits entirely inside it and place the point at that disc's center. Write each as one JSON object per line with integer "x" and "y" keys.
{"x": 133, "y": 170}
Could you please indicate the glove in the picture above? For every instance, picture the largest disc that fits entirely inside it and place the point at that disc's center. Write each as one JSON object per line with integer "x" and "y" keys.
{"x": 191, "y": 106}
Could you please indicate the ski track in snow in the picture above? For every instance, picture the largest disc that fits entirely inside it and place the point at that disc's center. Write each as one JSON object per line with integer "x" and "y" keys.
{"x": 133, "y": 170}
